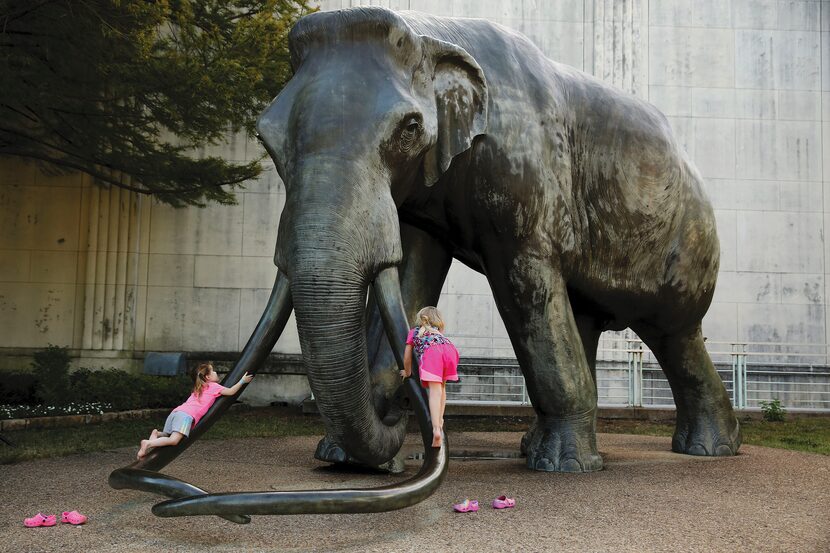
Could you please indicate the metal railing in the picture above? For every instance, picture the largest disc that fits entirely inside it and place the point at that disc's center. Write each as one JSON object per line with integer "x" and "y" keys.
{"x": 628, "y": 375}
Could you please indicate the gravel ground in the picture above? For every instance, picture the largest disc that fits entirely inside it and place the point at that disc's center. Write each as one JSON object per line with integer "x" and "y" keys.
{"x": 646, "y": 499}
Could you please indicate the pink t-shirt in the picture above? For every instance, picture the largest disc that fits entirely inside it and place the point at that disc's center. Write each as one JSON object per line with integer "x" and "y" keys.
{"x": 197, "y": 406}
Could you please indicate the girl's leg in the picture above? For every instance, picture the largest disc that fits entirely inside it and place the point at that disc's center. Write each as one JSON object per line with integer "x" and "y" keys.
{"x": 443, "y": 402}
{"x": 147, "y": 445}
{"x": 154, "y": 434}
{"x": 435, "y": 412}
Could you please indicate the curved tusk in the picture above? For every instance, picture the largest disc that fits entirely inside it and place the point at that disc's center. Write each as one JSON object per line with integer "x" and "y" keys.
{"x": 150, "y": 481}
{"x": 360, "y": 500}
{"x": 140, "y": 475}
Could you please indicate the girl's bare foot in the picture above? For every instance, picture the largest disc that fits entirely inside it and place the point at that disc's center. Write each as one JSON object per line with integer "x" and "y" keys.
{"x": 436, "y": 438}
{"x": 144, "y": 449}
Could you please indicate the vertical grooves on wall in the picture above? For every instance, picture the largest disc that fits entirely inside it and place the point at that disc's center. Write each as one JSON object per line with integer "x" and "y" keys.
{"x": 110, "y": 288}
{"x": 617, "y": 55}
{"x": 645, "y": 43}
{"x": 124, "y": 230}
{"x": 147, "y": 214}
{"x": 98, "y": 312}
{"x": 115, "y": 265}
{"x": 131, "y": 276}
{"x": 599, "y": 47}
{"x": 92, "y": 253}
{"x": 80, "y": 266}
{"x": 623, "y": 30}
{"x": 108, "y": 322}
{"x": 127, "y": 286}
{"x": 111, "y": 256}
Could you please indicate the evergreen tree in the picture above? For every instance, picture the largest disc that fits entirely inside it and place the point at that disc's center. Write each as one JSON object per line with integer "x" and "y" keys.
{"x": 133, "y": 87}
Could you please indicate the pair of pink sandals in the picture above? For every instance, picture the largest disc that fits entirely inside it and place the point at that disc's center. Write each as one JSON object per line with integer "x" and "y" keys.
{"x": 71, "y": 517}
{"x": 471, "y": 506}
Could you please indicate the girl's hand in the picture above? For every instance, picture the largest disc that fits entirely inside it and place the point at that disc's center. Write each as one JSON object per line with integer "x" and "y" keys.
{"x": 403, "y": 374}
{"x": 246, "y": 378}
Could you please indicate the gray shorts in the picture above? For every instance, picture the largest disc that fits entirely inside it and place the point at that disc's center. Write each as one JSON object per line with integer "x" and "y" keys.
{"x": 178, "y": 421}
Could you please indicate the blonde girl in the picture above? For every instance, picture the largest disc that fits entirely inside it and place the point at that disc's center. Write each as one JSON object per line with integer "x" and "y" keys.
{"x": 437, "y": 363}
{"x": 206, "y": 389}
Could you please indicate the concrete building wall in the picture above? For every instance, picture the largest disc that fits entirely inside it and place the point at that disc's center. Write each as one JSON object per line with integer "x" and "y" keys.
{"x": 744, "y": 83}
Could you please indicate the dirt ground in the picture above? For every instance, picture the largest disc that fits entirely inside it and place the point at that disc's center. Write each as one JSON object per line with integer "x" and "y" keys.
{"x": 646, "y": 499}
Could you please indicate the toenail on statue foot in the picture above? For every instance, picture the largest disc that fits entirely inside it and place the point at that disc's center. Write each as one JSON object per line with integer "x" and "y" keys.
{"x": 545, "y": 465}
{"x": 724, "y": 450}
{"x": 696, "y": 449}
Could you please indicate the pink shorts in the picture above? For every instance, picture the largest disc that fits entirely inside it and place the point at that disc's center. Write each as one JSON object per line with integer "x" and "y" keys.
{"x": 439, "y": 364}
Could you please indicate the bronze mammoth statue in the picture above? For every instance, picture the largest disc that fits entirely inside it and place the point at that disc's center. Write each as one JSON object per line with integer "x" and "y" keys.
{"x": 406, "y": 140}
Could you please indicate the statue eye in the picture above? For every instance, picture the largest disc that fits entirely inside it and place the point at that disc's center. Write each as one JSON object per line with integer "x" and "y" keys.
{"x": 410, "y": 130}
{"x": 412, "y": 127}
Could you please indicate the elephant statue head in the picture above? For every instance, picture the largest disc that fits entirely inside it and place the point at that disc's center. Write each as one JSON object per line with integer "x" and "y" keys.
{"x": 372, "y": 111}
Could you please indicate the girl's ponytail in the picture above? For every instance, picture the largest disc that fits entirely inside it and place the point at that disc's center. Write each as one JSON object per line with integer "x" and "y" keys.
{"x": 200, "y": 377}
{"x": 429, "y": 317}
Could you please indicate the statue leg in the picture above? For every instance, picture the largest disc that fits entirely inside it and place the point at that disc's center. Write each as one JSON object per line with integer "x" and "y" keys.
{"x": 589, "y": 333}
{"x": 706, "y": 423}
{"x": 533, "y": 301}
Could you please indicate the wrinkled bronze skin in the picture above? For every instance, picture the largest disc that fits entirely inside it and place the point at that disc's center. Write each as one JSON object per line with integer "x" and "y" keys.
{"x": 406, "y": 140}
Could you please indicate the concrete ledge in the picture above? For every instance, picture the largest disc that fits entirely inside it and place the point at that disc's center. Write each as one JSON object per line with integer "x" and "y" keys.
{"x": 650, "y": 414}
{"x": 502, "y": 410}
{"x": 309, "y": 407}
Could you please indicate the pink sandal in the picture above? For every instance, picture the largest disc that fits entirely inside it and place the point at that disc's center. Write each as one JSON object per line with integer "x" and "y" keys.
{"x": 503, "y": 502}
{"x": 40, "y": 520}
{"x": 466, "y": 506}
{"x": 73, "y": 517}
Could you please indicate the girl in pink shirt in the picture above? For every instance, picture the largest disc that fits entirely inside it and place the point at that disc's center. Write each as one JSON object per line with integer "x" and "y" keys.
{"x": 205, "y": 391}
{"x": 437, "y": 363}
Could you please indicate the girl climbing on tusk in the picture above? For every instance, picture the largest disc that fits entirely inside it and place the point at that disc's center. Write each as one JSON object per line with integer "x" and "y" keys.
{"x": 437, "y": 361}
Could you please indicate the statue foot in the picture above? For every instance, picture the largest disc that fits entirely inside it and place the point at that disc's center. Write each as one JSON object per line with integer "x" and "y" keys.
{"x": 707, "y": 434}
{"x": 563, "y": 444}
{"x": 330, "y": 452}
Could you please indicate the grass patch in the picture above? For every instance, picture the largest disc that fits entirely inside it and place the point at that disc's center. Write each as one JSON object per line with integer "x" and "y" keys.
{"x": 809, "y": 434}
{"x": 800, "y": 434}
{"x": 806, "y": 434}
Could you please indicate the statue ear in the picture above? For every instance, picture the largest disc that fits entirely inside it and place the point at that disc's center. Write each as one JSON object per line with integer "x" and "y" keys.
{"x": 460, "y": 103}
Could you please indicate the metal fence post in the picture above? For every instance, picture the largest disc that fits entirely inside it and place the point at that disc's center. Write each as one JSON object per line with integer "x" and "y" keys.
{"x": 630, "y": 374}
{"x": 742, "y": 372}
{"x": 638, "y": 374}
{"x": 635, "y": 373}
{"x": 734, "y": 357}
{"x": 739, "y": 375}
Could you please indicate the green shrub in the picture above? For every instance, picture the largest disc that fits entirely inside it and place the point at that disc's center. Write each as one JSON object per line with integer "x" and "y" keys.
{"x": 52, "y": 385}
{"x": 125, "y": 390}
{"x": 109, "y": 386}
{"x": 164, "y": 391}
{"x": 18, "y": 388}
{"x": 773, "y": 411}
{"x": 52, "y": 369}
